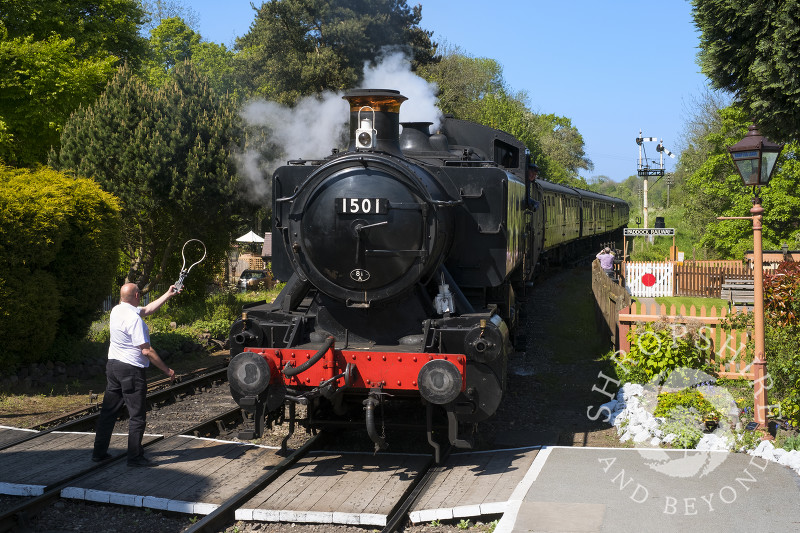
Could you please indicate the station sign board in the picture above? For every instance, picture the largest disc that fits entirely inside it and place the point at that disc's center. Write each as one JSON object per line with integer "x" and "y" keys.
{"x": 645, "y": 232}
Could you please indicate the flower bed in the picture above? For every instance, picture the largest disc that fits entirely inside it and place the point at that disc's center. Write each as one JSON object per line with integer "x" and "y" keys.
{"x": 631, "y": 412}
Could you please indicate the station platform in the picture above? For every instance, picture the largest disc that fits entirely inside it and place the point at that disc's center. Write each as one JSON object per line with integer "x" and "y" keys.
{"x": 573, "y": 489}
{"x": 553, "y": 489}
{"x": 32, "y": 467}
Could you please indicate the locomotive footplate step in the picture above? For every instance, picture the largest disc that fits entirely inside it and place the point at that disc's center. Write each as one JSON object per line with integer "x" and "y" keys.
{"x": 337, "y": 488}
{"x": 189, "y": 475}
{"x": 29, "y": 468}
{"x": 473, "y": 484}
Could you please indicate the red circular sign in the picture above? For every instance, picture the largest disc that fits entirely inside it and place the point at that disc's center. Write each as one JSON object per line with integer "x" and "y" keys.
{"x": 648, "y": 280}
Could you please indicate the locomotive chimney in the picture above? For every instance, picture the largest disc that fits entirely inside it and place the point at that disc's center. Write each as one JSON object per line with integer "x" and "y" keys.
{"x": 375, "y": 119}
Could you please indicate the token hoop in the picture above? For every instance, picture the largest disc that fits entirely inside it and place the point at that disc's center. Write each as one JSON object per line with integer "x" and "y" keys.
{"x": 184, "y": 270}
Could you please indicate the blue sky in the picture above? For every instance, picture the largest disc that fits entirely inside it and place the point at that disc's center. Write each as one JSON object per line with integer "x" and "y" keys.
{"x": 612, "y": 67}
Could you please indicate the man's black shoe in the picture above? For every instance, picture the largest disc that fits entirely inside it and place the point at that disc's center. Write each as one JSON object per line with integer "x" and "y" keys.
{"x": 140, "y": 461}
{"x": 103, "y": 457}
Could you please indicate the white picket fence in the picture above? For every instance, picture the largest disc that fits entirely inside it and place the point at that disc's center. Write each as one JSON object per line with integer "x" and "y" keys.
{"x": 649, "y": 280}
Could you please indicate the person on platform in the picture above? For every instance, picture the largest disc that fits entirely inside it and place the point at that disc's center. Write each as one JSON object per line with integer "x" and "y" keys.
{"x": 606, "y": 257}
{"x": 129, "y": 355}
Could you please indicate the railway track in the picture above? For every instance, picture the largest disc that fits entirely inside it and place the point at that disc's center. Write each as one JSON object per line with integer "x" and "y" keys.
{"x": 225, "y": 515}
{"x": 338, "y": 480}
{"x": 399, "y": 515}
{"x": 159, "y": 392}
{"x": 20, "y": 516}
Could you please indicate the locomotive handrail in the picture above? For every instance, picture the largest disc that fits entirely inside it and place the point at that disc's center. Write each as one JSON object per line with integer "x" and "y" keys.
{"x": 468, "y": 163}
{"x": 289, "y": 198}
{"x": 394, "y": 253}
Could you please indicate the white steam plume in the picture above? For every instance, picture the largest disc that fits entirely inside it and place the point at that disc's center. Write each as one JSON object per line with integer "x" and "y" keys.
{"x": 309, "y": 130}
{"x": 393, "y": 71}
{"x": 319, "y": 123}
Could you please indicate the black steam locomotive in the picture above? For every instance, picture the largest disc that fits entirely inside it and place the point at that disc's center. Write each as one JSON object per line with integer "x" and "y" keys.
{"x": 404, "y": 259}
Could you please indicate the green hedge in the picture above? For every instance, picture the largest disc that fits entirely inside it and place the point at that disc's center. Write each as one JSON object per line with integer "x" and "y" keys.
{"x": 59, "y": 247}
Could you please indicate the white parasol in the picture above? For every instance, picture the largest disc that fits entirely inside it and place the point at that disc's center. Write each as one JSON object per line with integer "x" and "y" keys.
{"x": 250, "y": 237}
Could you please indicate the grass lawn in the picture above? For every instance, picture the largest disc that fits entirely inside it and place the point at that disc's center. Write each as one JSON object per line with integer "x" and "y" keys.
{"x": 689, "y": 301}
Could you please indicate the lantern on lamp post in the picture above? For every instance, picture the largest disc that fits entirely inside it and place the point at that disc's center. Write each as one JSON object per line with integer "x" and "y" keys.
{"x": 233, "y": 261}
{"x": 755, "y": 158}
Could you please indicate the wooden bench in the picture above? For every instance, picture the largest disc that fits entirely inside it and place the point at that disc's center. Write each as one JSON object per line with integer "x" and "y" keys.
{"x": 738, "y": 291}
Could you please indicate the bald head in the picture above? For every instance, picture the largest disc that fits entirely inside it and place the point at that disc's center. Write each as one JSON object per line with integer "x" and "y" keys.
{"x": 129, "y": 293}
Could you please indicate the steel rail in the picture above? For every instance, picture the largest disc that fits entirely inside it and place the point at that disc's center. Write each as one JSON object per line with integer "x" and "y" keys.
{"x": 399, "y": 514}
{"x": 152, "y": 397}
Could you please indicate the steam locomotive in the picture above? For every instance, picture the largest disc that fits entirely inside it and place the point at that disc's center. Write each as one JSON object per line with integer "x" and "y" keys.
{"x": 405, "y": 259}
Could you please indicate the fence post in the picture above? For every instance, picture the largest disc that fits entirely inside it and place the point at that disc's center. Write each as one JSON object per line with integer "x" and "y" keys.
{"x": 623, "y": 344}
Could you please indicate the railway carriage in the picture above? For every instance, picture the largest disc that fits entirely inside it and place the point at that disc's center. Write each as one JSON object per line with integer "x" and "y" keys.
{"x": 405, "y": 258}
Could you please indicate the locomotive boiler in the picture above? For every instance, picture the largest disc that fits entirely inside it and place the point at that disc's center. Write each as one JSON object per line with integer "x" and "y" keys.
{"x": 403, "y": 257}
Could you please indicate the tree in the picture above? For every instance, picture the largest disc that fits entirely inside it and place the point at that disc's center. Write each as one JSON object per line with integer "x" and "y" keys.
{"x": 474, "y": 89}
{"x": 563, "y": 143}
{"x": 98, "y": 27}
{"x": 751, "y": 49}
{"x": 715, "y": 189}
{"x": 703, "y": 119}
{"x": 156, "y": 11}
{"x": 464, "y": 81}
{"x": 6, "y": 143}
{"x": 55, "y": 56}
{"x": 42, "y": 83}
{"x": 301, "y": 47}
{"x": 626, "y": 190}
{"x": 173, "y": 42}
{"x": 59, "y": 247}
{"x": 165, "y": 152}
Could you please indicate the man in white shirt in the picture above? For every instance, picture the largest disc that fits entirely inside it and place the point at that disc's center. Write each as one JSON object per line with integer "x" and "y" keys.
{"x": 129, "y": 355}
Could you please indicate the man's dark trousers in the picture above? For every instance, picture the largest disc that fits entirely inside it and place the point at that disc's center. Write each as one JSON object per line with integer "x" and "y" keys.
{"x": 126, "y": 384}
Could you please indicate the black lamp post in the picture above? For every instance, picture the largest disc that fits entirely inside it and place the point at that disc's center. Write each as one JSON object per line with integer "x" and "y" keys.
{"x": 755, "y": 158}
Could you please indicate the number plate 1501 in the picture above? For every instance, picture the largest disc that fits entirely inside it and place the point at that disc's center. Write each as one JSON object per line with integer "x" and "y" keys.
{"x": 362, "y": 206}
